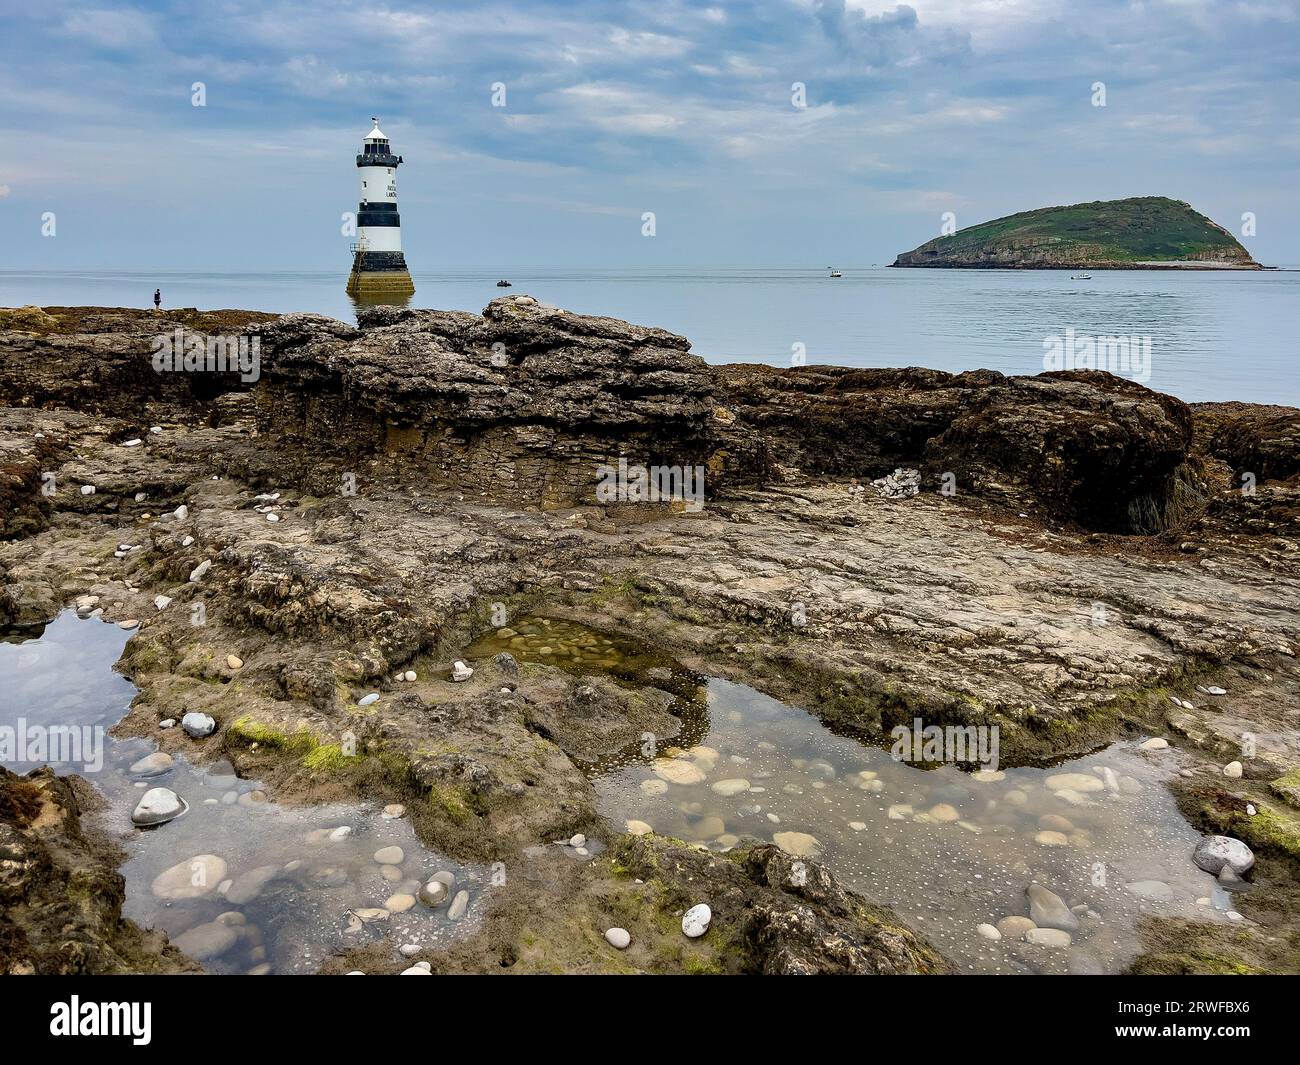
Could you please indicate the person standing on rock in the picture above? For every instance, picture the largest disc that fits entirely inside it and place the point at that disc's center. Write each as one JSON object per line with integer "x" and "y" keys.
{"x": 157, "y": 299}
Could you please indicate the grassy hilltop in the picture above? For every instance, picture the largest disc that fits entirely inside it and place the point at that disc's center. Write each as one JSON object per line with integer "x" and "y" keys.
{"x": 1143, "y": 232}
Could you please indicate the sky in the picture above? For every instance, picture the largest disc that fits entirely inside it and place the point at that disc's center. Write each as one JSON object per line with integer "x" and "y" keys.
{"x": 689, "y": 111}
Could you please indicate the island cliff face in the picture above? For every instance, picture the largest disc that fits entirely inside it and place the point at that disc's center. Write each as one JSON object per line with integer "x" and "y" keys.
{"x": 1139, "y": 233}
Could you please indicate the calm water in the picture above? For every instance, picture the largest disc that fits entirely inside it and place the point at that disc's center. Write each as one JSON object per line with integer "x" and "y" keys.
{"x": 948, "y": 850}
{"x": 282, "y": 888}
{"x": 1214, "y": 336}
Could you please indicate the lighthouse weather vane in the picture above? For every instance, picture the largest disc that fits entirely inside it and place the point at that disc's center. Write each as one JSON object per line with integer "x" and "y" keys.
{"x": 379, "y": 272}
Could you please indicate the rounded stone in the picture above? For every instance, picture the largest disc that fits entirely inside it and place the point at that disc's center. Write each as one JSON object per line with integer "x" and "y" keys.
{"x": 248, "y": 886}
{"x": 234, "y": 662}
{"x": 677, "y": 771}
{"x": 944, "y": 813}
{"x": 800, "y": 844}
{"x": 1015, "y": 927}
{"x": 206, "y": 941}
{"x": 695, "y": 922}
{"x": 393, "y": 811}
{"x": 198, "y": 725}
{"x": 639, "y": 828}
{"x": 434, "y": 893}
{"x": 1214, "y": 852}
{"x": 153, "y": 764}
{"x": 399, "y": 903}
{"x": 1156, "y": 743}
{"x": 458, "y": 906}
{"x": 390, "y": 855}
{"x": 731, "y": 786}
{"x": 1151, "y": 890}
{"x": 988, "y": 932}
{"x": 190, "y": 879}
{"x": 1048, "y": 937}
{"x": 618, "y": 938}
{"x": 158, "y": 806}
{"x": 1051, "y": 839}
{"x": 1080, "y": 783}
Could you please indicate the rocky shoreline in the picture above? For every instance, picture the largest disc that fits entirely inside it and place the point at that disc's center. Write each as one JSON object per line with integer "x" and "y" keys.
{"x": 1071, "y": 558}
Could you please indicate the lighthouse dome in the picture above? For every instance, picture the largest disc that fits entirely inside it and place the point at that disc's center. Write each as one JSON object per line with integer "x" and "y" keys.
{"x": 376, "y": 134}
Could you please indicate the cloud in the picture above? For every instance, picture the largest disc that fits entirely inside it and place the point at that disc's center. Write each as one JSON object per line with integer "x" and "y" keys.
{"x": 910, "y": 105}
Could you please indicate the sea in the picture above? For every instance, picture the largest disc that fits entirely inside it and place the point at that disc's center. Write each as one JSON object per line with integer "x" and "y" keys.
{"x": 1198, "y": 335}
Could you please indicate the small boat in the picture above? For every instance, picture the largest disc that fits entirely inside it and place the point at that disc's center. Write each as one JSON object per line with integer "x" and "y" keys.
{"x": 834, "y": 273}
{"x": 1081, "y": 277}
{"x": 503, "y": 284}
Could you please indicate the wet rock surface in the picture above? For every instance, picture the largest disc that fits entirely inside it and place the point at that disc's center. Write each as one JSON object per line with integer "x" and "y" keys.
{"x": 60, "y": 892}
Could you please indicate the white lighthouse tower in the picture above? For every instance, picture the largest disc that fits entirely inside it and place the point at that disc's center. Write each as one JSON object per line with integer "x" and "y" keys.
{"x": 378, "y": 267}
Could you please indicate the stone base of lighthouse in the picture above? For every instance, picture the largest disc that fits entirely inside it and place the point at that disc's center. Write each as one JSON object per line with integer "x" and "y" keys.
{"x": 379, "y": 276}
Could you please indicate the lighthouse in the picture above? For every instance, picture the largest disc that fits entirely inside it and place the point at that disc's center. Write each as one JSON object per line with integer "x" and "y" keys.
{"x": 379, "y": 270}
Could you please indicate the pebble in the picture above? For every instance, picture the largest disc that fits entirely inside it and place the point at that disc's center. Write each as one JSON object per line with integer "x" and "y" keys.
{"x": 129, "y": 623}
{"x": 185, "y": 542}
{"x": 458, "y": 906}
{"x": 196, "y": 574}
{"x": 87, "y": 489}
{"x": 390, "y": 856}
{"x": 800, "y": 844}
{"x": 578, "y": 840}
{"x": 639, "y": 828}
{"x": 731, "y": 786}
{"x": 167, "y": 722}
{"x": 248, "y": 886}
{"x": 1052, "y": 839}
{"x": 618, "y": 938}
{"x": 153, "y": 764}
{"x": 197, "y": 725}
{"x": 1232, "y": 769}
{"x": 368, "y": 700}
{"x": 158, "y": 806}
{"x": 1015, "y": 927}
{"x": 1156, "y": 743}
{"x": 1048, "y": 910}
{"x": 1214, "y": 852}
{"x": 234, "y": 662}
{"x": 988, "y": 932}
{"x": 1048, "y": 937}
{"x": 695, "y": 922}
{"x": 944, "y": 813}
{"x": 399, "y": 903}
{"x": 676, "y": 771}
{"x": 416, "y": 970}
{"x": 340, "y": 833}
{"x": 409, "y": 676}
{"x": 460, "y": 672}
{"x": 190, "y": 879}
{"x": 393, "y": 811}
{"x": 434, "y": 893}
{"x": 1081, "y": 783}
{"x": 162, "y": 602}
{"x": 206, "y": 941}
{"x": 409, "y": 950}
{"x": 1151, "y": 890}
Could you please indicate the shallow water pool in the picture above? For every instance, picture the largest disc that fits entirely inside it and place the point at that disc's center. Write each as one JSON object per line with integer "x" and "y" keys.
{"x": 241, "y": 883}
